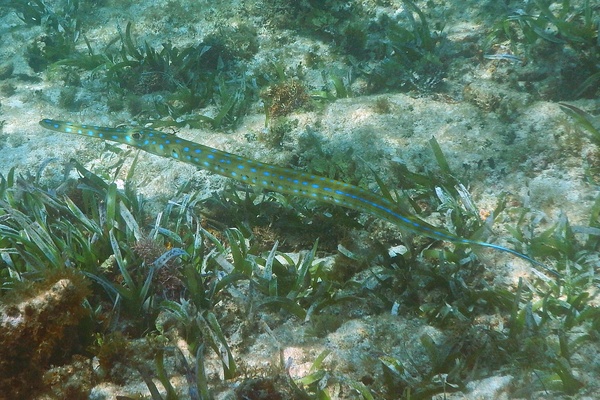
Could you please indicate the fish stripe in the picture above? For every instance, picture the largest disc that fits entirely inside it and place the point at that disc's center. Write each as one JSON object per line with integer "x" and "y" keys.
{"x": 284, "y": 180}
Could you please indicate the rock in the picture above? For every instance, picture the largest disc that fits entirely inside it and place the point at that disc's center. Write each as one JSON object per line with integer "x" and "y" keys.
{"x": 38, "y": 327}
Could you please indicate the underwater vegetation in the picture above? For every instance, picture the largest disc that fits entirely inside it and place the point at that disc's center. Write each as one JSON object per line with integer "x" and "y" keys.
{"x": 188, "y": 79}
{"x": 583, "y": 119}
{"x": 177, "y": 271}
{"x": 62, "y": 28}
{"x": 563, "y": 34}
{"x": 182, "y": 81}
{"x": 283, "y": 98}
{"x": 411, "y": 54}
{"x": 208, "y": 83}
{"x": 400, "y": 54}
{"x": 97, "y": 232}
{"x": 212, "y": 83}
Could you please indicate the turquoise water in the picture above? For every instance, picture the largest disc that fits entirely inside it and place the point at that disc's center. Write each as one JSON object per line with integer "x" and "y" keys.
{"x": 353, "y": 92}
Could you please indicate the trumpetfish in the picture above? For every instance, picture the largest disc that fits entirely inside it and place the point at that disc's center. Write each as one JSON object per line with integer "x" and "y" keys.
{"x": 272, "y": 177}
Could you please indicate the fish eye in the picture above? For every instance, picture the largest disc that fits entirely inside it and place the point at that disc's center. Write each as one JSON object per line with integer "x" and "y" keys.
{"x": 136, "y": 135}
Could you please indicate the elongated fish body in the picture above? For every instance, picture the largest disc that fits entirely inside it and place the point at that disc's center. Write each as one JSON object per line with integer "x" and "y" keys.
{"x": 284, "y": 180}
